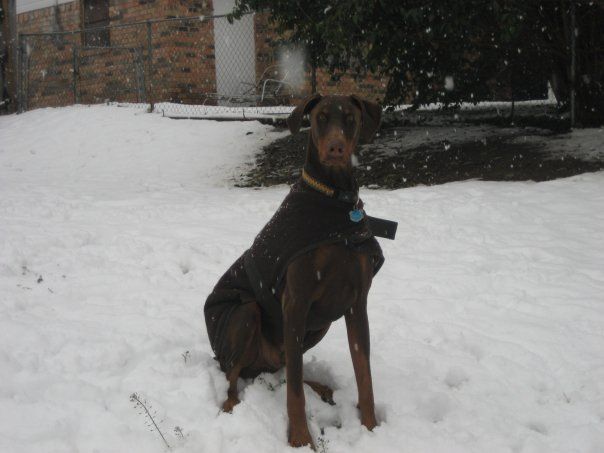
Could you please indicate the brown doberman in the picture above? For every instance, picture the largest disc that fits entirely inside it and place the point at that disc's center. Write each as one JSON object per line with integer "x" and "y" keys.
{"x": 318, "y": 285}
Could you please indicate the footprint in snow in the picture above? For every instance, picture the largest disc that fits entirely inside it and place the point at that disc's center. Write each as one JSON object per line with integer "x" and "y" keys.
{"x": 435, "y": 407}
{"x": 538, "y": 427}
{"x": 184, "y": 268}
{"x": 456, "y": 377}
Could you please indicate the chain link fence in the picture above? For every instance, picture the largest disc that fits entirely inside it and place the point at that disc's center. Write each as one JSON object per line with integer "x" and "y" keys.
{"x": 182, "y": 67}
{"x": 197, "y": 67}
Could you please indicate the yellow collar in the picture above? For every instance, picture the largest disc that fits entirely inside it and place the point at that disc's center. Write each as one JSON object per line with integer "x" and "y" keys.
{"x": 341, "y": 195}
{"x": 318, "y": 186}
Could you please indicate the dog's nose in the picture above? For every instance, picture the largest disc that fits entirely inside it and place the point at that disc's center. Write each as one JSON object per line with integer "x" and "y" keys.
{"x": 335, "y": 148}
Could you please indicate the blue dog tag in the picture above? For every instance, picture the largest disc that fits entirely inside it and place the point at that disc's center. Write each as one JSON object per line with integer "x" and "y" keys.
{"x": 356, "y": 215}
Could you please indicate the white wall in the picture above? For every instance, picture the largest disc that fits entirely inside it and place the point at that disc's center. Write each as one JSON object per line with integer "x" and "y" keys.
{"x": 234, "y": 50}
{"x": 223, "y": 6}
{"x": 24, "y": 6}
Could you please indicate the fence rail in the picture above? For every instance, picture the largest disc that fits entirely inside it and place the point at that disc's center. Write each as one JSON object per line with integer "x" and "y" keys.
{"x": 202, "y": 66}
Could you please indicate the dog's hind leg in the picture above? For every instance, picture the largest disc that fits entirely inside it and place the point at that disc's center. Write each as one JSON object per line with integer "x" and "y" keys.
{"x": 232, "y": 394}
{"x": 241, "y": 348}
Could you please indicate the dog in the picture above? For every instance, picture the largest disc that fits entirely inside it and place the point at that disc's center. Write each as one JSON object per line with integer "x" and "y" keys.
{"x": 310, "y": 265}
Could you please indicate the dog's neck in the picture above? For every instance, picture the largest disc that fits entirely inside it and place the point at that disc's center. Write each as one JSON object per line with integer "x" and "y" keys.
{"x": 341, "y": 179}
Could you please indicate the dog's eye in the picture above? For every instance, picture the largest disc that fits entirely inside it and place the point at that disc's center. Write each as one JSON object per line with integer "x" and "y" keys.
{"x": 322, "y": 117}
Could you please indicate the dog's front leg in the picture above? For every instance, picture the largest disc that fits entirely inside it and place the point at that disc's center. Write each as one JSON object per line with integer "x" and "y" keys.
{"x": 357, "y": 326}
{"x": 294, "y": 329}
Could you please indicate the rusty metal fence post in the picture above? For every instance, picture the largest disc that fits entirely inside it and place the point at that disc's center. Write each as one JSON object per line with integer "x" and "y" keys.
{"x": 76, "y": 99}
{"x": 21, "y": 74}
{"x": 150, "y": 65}
{"x": 573, "y": 62}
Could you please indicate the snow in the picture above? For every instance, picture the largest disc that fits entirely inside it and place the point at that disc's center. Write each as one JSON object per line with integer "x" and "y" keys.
{"x": 486, "y": 319}
{"x": 412, "y": 137}
{"x": 245, "y": 111}
{"x": 586, "y": 144}
{"x": 483, "y": 105}
{"x": 222, "y": 112}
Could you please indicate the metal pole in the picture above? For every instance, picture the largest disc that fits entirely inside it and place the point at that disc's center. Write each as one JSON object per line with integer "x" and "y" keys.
{"x": 21, "y": 74}
{"x": 76, "y": 69}
{"x": 4, "y": 41}
{"x": 12, "y": 41}
{"x": 573, "y": 62}
{"x": 150, "y": 63}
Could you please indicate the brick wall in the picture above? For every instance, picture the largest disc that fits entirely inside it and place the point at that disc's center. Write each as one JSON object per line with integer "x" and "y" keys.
{"x": 264, "y": 38}
{"x": 63, "y": 17}
{"x": 67, "y": 16}
{"x": 183, "y": 63}
{"x": 369, "y": 87}
{"x": 127, "y": 11}
{"x": 49, "y": 58}
{"x": 183, "y": 55}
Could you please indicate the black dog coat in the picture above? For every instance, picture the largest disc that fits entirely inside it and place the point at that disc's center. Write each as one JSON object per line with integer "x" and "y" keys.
{"x": 305, "y": 220}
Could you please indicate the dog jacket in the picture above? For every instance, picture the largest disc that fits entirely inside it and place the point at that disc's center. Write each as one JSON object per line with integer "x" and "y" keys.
{"x": 305, "y": 220}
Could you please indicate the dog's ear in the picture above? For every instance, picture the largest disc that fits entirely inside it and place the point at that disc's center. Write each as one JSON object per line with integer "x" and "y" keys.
{"x": 371, "y": 113}
{"x": 295, "y": 119}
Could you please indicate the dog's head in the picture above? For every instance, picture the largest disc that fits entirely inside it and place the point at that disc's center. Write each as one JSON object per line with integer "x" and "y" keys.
{"x": 337, "y": 124}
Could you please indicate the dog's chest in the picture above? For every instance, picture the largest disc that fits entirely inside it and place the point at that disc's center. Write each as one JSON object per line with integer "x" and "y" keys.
{"x": 341, "y": 276}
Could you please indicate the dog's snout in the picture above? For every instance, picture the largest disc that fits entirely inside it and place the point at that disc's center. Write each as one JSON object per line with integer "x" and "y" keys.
{"x": 336, "y": 148}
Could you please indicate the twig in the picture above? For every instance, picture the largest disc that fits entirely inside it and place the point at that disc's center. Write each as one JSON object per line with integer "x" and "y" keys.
{"x": 142, "y": 403}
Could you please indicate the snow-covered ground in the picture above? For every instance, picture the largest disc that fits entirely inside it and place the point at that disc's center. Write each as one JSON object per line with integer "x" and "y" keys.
{"x": 586, "y": 144}
{"x": 487, "y": 320}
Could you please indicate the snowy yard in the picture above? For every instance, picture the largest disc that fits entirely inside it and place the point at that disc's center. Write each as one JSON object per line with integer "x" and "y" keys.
{"x": 487, "y": 319}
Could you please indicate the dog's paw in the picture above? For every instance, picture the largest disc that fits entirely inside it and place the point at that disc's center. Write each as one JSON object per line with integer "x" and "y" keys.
{"x": 369, "y": 422}
{"x": 229, "y": 404}
{"x": 301, "y": 438}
